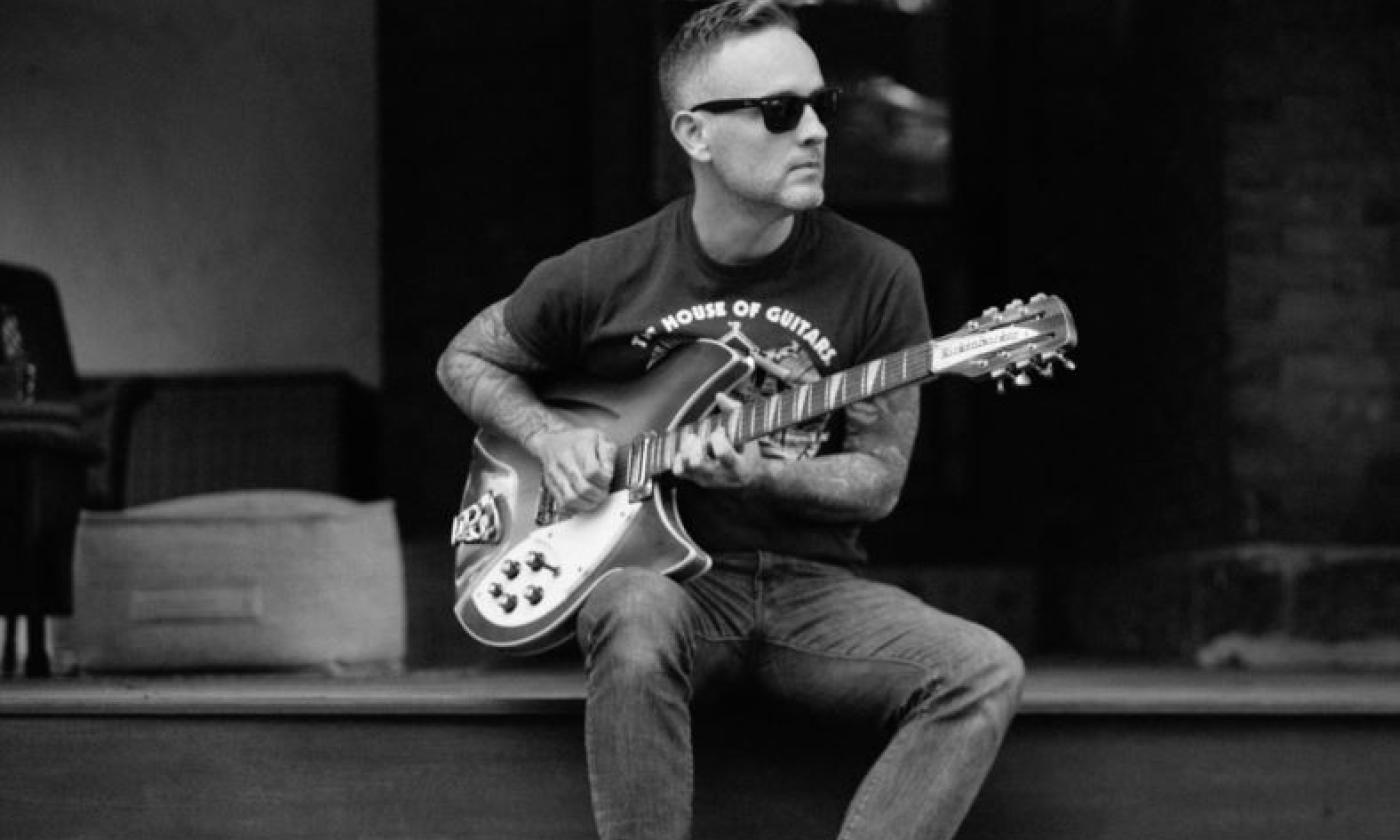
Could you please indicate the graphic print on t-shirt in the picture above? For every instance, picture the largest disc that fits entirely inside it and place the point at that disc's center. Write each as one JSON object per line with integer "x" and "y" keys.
{"x": 795, "y": 354}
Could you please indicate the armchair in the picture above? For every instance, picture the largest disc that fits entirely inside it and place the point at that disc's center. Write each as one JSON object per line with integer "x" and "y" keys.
{"x": 44, "y": 456}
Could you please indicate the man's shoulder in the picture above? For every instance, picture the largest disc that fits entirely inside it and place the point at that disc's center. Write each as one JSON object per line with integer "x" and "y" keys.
{"x": 851, "y": 235}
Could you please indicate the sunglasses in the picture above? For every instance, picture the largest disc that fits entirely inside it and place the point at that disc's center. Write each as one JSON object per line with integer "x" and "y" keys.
{"x": 781, "y": 112}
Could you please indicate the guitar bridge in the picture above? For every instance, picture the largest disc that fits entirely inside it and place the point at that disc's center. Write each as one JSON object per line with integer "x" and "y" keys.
{"x": 479, "y": 523}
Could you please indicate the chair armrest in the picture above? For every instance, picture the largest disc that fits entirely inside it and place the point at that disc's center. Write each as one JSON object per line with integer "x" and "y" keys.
{"x": 108, "y": 406}
{"x": 45, "y": 425}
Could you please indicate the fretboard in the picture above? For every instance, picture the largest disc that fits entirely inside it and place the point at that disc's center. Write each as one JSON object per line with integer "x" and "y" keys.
{"x": 652, "y": 454}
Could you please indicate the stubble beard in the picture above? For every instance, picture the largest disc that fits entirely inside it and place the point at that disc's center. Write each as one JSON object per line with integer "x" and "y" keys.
{"x": 804, "y": 197}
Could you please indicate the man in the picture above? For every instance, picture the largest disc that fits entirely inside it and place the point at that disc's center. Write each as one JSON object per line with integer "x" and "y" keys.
{"x": 752, "y": 259}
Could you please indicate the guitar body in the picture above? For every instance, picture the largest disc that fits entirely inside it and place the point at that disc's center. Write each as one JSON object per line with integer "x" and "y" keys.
{"x": 522, "y": 573}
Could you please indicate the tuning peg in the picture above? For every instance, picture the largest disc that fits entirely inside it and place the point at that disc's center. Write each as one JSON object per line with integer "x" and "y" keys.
{"x": 1065, "y": 360}
{"x": 1021, "y": 379}
{"x": 1037, "y": 297}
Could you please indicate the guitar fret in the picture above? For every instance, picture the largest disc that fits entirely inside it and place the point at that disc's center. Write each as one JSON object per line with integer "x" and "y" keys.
{"x": 804, "y": 400}
{"x": 833, "y": 389}
{"x": 873, "y": 372}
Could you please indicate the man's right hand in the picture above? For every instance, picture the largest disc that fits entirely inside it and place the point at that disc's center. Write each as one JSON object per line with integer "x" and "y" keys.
{"x": 577, "y": 464}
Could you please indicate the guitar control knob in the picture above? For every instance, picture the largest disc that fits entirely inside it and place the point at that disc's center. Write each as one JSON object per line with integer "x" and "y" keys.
{"x": 533, "y": 595}
{"x": 495, "y": 590}
{"x": 508, "y": 603}
{"x": 537, "y": 562}
{"x": 511, "y": 569}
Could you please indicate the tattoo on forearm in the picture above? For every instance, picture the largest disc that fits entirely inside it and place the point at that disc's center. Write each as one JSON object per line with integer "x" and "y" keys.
{"x": 484, "y": 370}
{"x": 863, "y": 482}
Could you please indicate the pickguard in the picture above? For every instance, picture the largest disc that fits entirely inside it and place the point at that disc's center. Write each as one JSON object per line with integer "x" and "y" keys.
{"x": 539, "y": 573}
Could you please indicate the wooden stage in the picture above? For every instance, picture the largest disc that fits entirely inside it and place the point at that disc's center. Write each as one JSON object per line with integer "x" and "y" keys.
{"x": 495, "y": 752}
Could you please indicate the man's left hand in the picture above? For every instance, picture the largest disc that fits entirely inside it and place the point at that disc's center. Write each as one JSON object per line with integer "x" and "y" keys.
{"x": 713, "y": 461}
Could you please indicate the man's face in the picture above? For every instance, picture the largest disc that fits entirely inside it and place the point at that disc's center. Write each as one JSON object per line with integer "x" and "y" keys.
{"x": 753, "y": 163}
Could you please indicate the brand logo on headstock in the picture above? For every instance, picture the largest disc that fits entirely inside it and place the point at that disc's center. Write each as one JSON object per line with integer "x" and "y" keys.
{"x": 952, "y": 352}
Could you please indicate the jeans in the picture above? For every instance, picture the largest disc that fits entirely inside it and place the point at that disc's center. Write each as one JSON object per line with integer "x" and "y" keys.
{"x": 810, "y": 634}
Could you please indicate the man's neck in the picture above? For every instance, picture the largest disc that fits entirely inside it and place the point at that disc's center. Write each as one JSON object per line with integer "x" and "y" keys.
{"x": 735, "y": 232}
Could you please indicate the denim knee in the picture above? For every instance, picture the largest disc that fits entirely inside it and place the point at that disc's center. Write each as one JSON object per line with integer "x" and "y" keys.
{"x": 995, "y": 682}
{"x": 633, "y": 621}
{"x": 988, "y": 680}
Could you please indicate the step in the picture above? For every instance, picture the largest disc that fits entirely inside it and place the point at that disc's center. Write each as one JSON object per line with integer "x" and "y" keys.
{"x": 516, "y": 689}
{"x": 496, "y": 753}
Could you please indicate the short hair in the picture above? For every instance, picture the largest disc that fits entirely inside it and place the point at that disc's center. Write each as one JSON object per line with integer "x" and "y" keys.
{"x": 704, "y": 32}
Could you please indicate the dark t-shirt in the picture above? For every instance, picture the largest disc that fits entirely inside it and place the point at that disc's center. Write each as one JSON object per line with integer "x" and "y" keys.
{"x": 832, "y": 296}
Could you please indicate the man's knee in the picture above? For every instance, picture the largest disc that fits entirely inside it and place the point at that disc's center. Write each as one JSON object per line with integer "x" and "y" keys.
{"x": 996, "y": 680}
{"x": 986, "y": 677}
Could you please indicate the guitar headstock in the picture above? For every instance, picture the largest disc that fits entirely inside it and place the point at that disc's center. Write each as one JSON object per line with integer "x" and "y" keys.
{"x": 1010, "y": 343}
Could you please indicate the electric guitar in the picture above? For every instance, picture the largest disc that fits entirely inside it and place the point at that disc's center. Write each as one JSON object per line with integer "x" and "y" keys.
{"x": 522, "y": 569}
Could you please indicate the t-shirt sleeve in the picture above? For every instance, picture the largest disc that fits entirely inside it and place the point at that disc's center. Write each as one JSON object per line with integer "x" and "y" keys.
{"x": 546, "y": 313}
{"x": 900, "y": 313}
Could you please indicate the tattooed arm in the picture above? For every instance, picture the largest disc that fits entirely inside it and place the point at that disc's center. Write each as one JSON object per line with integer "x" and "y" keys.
{"x": 859, "y": 484}
{"x": 484, "y": 371}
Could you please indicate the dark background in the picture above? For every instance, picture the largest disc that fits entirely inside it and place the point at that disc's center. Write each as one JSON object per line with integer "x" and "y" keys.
{"x": 1086, "y": 163}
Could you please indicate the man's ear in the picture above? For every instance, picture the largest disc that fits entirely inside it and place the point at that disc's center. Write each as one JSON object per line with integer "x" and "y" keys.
{"x": 690, "y": 132}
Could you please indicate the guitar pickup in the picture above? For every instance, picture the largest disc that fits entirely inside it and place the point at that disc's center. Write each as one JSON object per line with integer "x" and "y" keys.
{"x": 478, "y": 523}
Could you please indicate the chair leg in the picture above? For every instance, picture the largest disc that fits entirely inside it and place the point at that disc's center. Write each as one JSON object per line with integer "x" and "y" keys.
{"x": 7, "y": 668}
{"x": 36, "y": 664}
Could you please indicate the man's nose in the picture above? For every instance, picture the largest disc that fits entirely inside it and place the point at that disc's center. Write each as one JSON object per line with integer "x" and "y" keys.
{"x": 811, "y": 129}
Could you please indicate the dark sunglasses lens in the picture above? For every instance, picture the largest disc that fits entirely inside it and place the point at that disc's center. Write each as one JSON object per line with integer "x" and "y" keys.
{"x": 782, "y": 113}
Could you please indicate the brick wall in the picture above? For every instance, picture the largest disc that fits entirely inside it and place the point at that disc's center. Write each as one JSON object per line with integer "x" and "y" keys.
{"x": 1312, "y": 181}
{"x": 1306, "y": 571}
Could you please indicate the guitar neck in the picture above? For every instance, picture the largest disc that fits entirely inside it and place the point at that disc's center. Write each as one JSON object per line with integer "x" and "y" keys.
{"x": 791, "y": 407}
